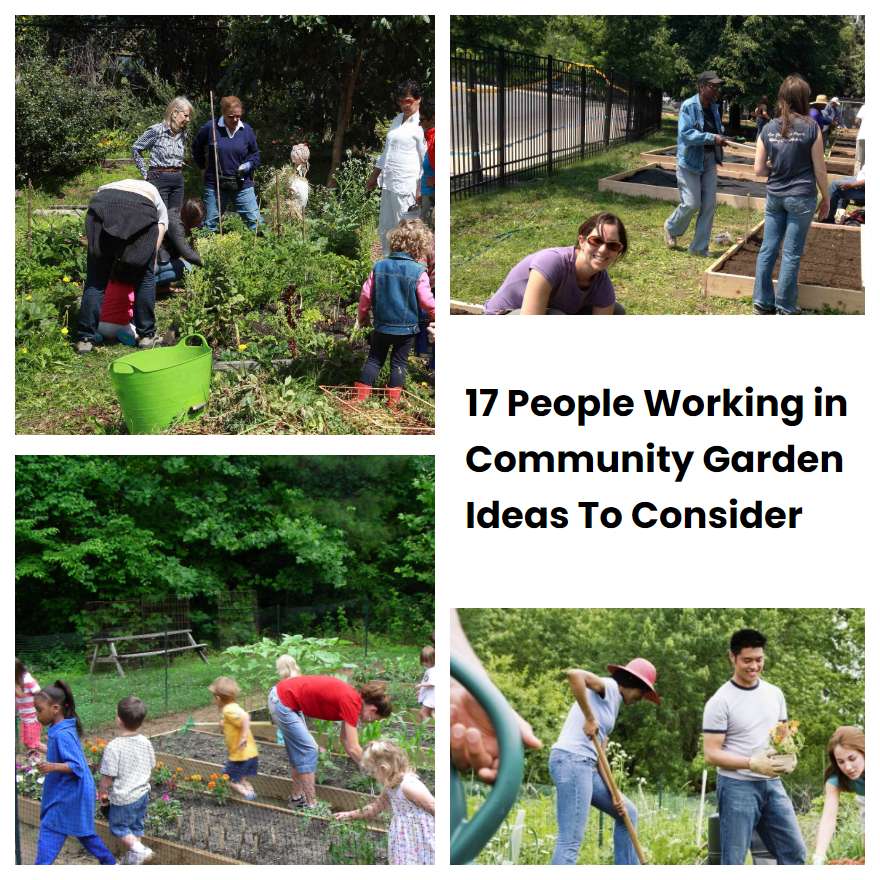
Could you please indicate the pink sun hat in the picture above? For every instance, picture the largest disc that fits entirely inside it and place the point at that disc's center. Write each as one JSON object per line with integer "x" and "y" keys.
{"x": 645, "y": 672}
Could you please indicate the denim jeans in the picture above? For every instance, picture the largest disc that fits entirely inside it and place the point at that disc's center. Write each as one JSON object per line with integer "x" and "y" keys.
{"x": 129, "y": 818}
{"x": 578, "y": 784}
{"x": 786, "y": 223}
{"x": 244, "y": 201}
{"x": 697, "y": 194}
{"x": 842, "y": 197}
{"x": 744, "y": 806}
{"x": 168, "y": 273}
{"x": 98, "y": 271}
{"x": 170, "y": 186}
{"x": 380, "y": 343}
{"x": 302, "y": 751}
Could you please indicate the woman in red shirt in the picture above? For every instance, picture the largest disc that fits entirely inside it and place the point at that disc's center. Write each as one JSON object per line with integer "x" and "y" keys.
{"x": 293, "y": 700}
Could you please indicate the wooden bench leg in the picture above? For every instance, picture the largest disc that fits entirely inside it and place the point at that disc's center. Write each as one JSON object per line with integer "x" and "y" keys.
{"x": 194, "y": 643}
{"x": 115, "y": 658}
{"x": 94, "y": 660}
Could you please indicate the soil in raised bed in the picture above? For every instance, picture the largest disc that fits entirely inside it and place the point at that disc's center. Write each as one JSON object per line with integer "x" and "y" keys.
{"x": 729, "y": 158}
{"x": 272, "y": 837}
{"x": 832, "y": 258}
{"x": 273, "y": 761}
{"x": 727, "y": 185}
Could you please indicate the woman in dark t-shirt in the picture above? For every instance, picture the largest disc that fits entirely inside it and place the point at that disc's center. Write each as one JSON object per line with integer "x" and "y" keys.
{"x": 789, "y": 153}
{"x": 566, "y": 280}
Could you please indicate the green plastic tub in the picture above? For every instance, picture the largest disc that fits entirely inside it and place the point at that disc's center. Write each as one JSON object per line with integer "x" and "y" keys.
{"x": 161, "y": 385}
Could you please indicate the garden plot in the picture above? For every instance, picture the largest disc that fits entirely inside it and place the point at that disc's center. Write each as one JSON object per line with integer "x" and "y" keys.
{"x": 210, "y": 748}
{"x": 740, "y": 166}
{"x": 824, "y": 282}
{"x": 656, "y": 182}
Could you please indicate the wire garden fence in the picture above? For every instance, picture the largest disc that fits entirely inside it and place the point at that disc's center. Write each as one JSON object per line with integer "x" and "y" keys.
{"x": 516, "y": 115}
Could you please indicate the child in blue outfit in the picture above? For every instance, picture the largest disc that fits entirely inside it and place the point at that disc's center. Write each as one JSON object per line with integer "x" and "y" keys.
{"x": 67, "y": 808}
{"x": 397, "y": 287}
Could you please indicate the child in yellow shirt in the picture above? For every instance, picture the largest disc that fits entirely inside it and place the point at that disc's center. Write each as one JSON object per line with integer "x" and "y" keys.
{"x": 243, "y": 761}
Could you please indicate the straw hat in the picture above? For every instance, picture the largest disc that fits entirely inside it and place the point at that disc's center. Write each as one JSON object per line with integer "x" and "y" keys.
{"x": 820, "y": 100}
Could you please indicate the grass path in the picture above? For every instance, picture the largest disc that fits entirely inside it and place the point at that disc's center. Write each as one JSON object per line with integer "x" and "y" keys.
{"x": 492, "y": 232}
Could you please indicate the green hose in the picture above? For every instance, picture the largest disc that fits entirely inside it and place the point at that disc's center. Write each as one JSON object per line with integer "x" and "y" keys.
{"x": 470, "y": 835}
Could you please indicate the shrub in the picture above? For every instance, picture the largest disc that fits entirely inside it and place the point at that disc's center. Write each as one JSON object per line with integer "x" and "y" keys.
{"x": 55, "y": 118}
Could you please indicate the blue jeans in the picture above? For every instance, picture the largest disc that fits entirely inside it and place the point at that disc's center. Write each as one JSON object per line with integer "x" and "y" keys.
{"x": 302, "y": 750}
{"x": 842, "y": 197}
{"x": 128, "y": 818}
{"x": 697, "y": 194}
{"x": 786, "y": 223}
{"x": 380, "y": 345}
{"x": 98, "y": 271}
{"x": 578, "y": 784}
{"x": 244, "y": 202}
{"x": 744, "y": 806}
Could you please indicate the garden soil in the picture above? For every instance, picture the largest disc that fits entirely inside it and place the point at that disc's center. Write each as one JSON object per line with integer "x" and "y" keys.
{"x": 273, "y": 761}
{"x": 727, "y": 185}
{"x": 832, "y": 258}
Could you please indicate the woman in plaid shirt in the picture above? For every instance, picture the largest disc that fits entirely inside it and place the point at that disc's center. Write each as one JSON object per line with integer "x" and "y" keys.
{"x": 166, "y": 142}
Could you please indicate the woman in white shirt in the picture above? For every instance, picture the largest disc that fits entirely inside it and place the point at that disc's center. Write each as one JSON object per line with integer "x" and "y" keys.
{"x": 400, "y": 164}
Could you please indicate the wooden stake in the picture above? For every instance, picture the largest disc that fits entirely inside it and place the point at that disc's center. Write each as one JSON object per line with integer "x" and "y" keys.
{"x": 277, "y": 205}
{"x": 216, "y": 165}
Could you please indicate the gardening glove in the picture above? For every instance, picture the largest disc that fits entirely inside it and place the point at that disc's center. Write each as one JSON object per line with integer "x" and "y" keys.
{"x": 766, "y": 765}
{"x": 245, "y": 167}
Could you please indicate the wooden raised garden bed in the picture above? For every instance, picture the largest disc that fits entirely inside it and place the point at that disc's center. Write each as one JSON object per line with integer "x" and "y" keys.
{"x": 739, "y": 165}
{"x": 656, "y": 182}
{"x": 459, "y": 307}
{"x": 166, "y": 852}
{"x": 830, "y": 272}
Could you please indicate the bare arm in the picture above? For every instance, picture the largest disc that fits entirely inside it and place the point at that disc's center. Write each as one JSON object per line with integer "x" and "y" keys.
{"x": 105, "y": 786}
{"x": 603, "y": 310}
{"x": 350, "y": 742}
{"x": 418, "y": 793}
{"x": 472, "y": 739}
{"x": 761, "y": 166}
{"x": 579, "y": 680}
{"x": 713, "y": 752}
{"x": 370, "y": 811}
{"x": 827, "y": 823}
{"x": 536, "y": 297}
{"x": 245, "y": 730}
{"x": 817, "y": 154}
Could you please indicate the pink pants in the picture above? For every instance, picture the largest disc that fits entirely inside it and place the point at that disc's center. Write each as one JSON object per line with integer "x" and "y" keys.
{"x": 30, "y": 733}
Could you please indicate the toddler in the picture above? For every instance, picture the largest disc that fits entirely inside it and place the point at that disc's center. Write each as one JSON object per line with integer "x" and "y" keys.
{"x": 397, "y": 287}
{"x": 25, "y": 688}
{"x": 67, "y": 806}
{"x": 126, "y": 766}
{"x": 426, "y": 685}
{"x": 240, "y": 744}
{"x": 411, "y": 833}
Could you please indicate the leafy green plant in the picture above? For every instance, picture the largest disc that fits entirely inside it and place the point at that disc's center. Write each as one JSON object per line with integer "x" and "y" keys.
{"x": 352, "y": 844}
{"x": 339, "y": 213}
{"x": 163, "y": 815}
{"x": 253, "y": 665}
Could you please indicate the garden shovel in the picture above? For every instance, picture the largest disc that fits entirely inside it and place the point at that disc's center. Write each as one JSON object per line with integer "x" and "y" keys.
{"x": 608, "y": 777}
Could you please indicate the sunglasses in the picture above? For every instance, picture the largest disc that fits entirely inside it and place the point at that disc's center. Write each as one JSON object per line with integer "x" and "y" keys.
{"x": 614, "y": 246}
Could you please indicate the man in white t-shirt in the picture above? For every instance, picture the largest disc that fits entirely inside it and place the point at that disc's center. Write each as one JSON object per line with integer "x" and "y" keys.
{"x": 737, "y": 722}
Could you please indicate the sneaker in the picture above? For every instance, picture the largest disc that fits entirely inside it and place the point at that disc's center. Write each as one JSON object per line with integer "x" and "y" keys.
{"x": 84, "y": 346}
{"x": 250, "y": 795}
{"x": 140, "y": 858}
{"x": 296, "y": 803}
{"x": 763, "y": 310}
{"x": 149, "y": 341}
{"x": 669, "y": 238}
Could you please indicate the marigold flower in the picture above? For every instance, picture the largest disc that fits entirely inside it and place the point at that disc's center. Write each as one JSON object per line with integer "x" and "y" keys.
{"x": 242, "y": 346}
{"x": 212, "y": 785}
{"x": 65, "y": 279}
{"x": 226, "y": 777}
{"x": 64, "y": 331}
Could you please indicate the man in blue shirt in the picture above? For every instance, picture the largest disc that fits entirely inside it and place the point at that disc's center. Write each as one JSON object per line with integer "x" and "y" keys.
{"x": 237, "y": 156}
{"x": 700, "y": 139}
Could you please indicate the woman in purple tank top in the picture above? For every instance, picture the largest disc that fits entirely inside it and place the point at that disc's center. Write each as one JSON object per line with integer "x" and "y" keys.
{"x": 566, "y": 280}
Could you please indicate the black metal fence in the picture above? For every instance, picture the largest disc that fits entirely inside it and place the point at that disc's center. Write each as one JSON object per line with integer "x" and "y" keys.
{"x": 516, "y": 115}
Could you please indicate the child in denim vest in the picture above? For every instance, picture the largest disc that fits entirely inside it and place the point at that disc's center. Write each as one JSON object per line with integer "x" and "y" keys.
{"x": 126, "y": 767}
{"x": 397, "y": 287}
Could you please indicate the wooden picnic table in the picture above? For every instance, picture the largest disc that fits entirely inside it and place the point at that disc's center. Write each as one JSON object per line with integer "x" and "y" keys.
{"x": 114, "y": 656}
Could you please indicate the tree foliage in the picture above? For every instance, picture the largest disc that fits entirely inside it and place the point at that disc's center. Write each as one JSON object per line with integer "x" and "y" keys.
{"x": 815, "y": 655}
{"x": 753, "y": 53}
{"x": 297, "y": 531}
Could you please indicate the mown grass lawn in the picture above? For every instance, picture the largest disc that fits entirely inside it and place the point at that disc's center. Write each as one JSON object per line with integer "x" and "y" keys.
{"x": 493, "y": 231}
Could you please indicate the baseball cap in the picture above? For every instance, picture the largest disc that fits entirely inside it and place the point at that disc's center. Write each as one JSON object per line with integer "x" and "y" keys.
{"x": 709, "y": 76}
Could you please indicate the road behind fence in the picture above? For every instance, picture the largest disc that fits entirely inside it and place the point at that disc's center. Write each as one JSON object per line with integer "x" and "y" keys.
{"x": 517, "y": 115}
